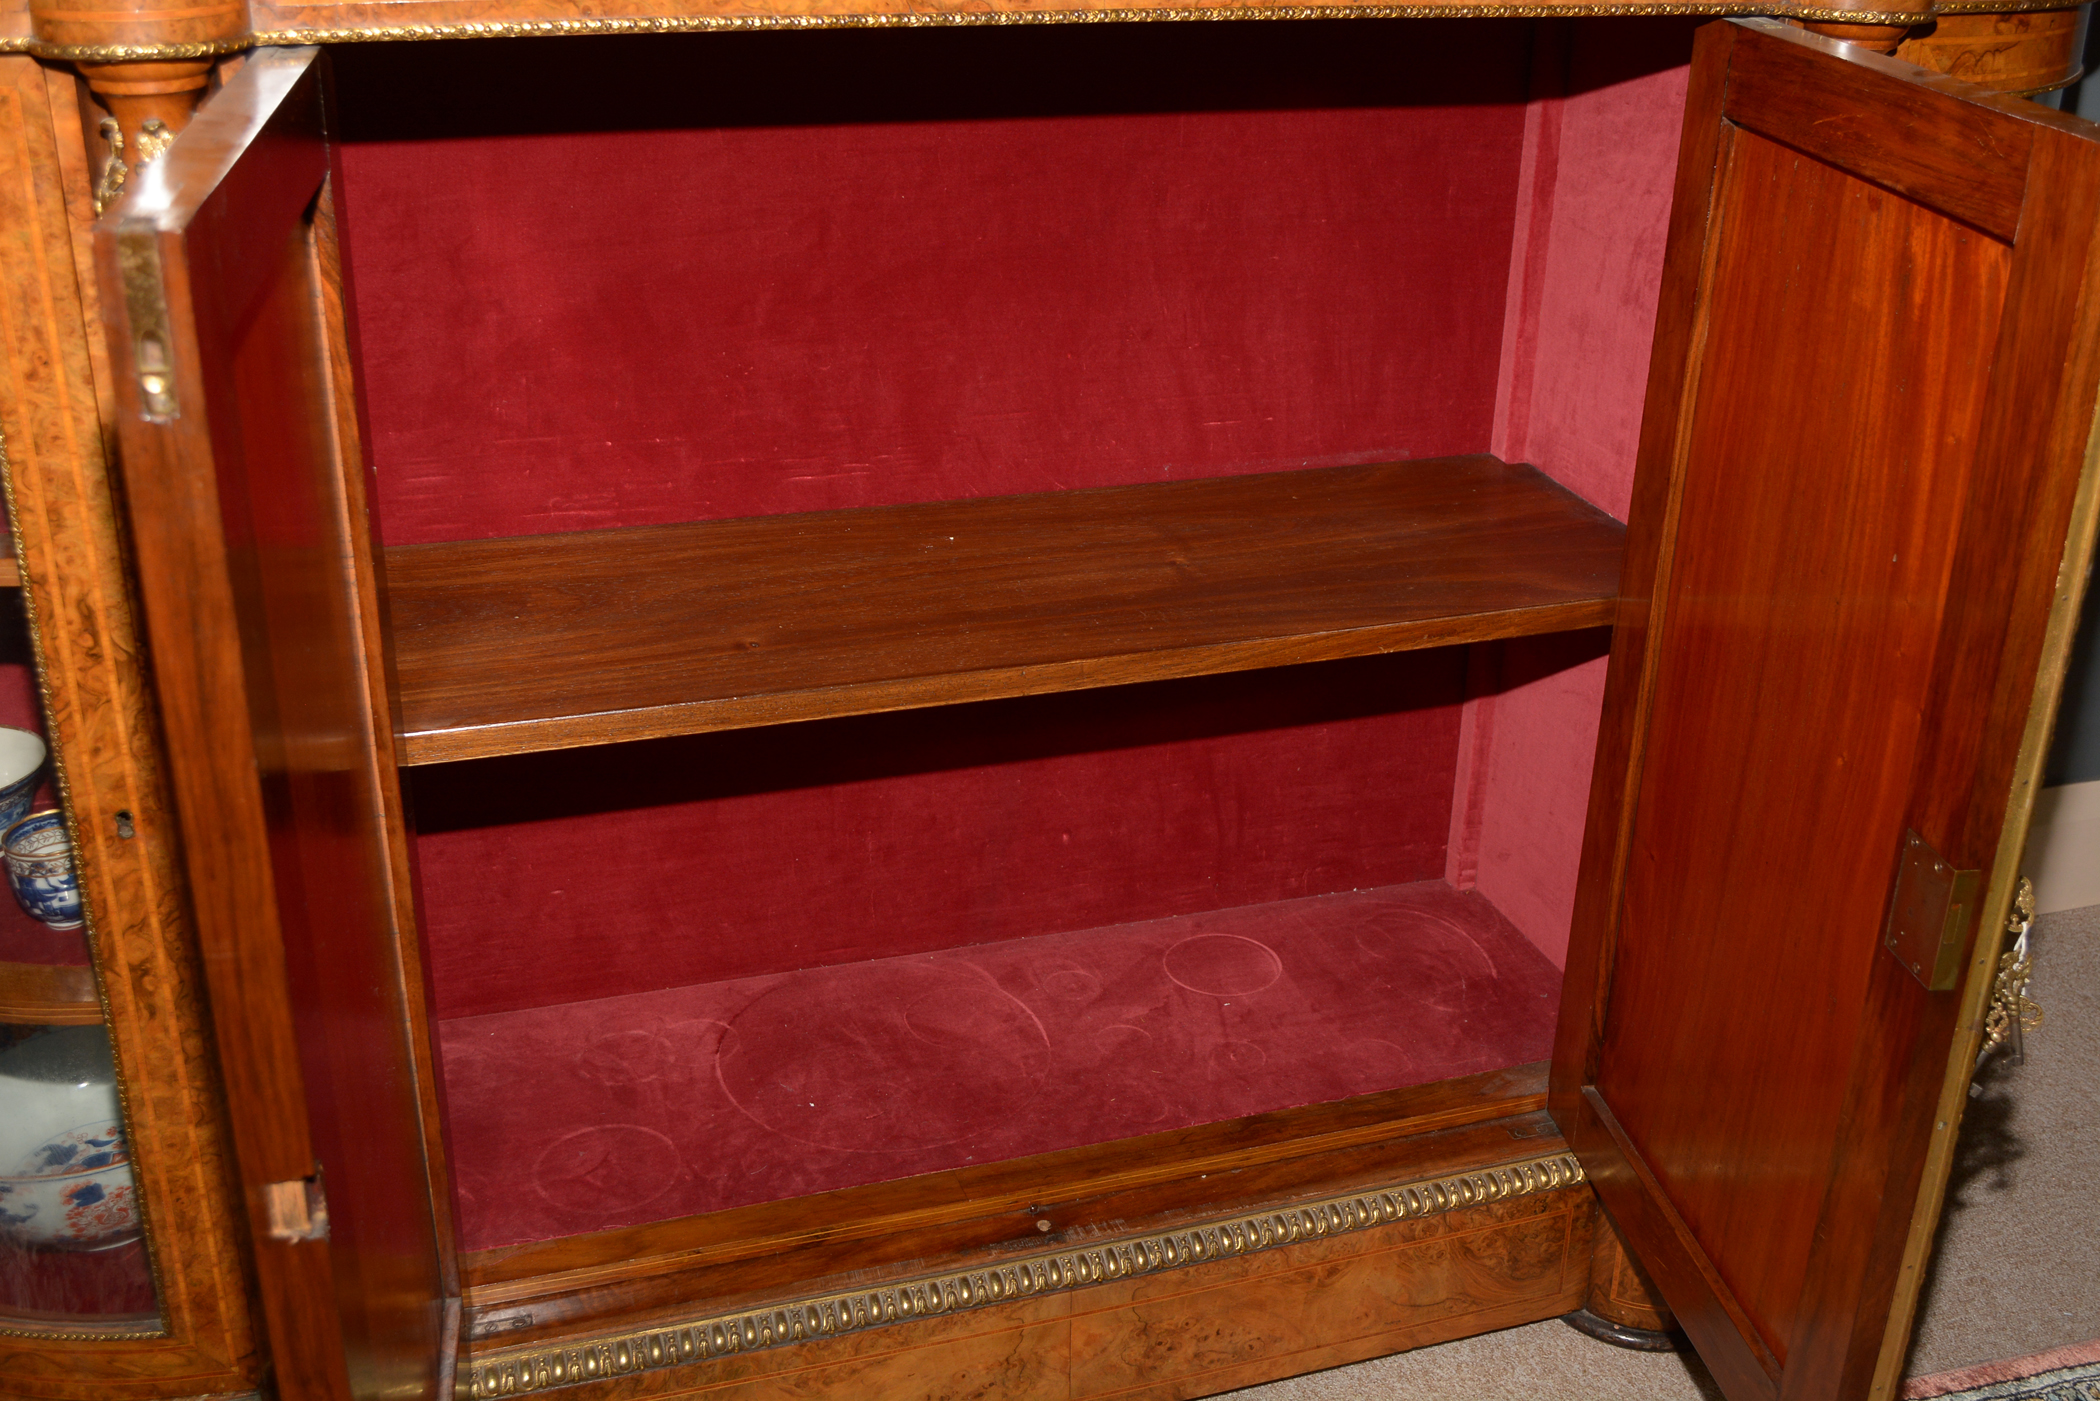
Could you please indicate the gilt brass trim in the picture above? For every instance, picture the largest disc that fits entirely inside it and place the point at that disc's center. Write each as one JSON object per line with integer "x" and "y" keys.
{"x": 541, "y": 1366}
{"x": 693, "y": 24}
{"x": 684, "y": 24}
{"x": 125, "y": 53}
{"x": 689, "y": 24}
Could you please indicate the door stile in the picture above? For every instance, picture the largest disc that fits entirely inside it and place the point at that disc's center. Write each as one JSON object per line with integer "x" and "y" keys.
{"x": 1708, "y": 1311}
{"x": 238, "y": 424}
{"x": 2057, "y": 285}
{"x": 1673, "y": 374}
{"x": 373, "y": 661}
{"x": 1874, "y": 1230}
{"x": 200, "y": 687}
{"x": 1700, "y": 1299}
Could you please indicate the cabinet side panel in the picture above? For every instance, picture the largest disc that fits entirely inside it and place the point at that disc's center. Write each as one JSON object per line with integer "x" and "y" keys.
{"x": 96, "y": 707}
{"x": 1797, "y": 658}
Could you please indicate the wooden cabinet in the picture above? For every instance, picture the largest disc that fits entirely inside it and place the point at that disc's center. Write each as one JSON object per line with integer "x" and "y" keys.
{"x": 493, "y": 1135}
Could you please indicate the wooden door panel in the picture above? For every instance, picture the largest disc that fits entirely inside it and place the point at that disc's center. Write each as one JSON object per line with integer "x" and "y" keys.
{"x": 1781, "y": 643}
{"x": 254, "y": 562}
{"x": 1866, "y": 432}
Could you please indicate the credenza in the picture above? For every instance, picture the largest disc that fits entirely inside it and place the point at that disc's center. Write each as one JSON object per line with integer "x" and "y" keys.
{"x": 952, "y": 706}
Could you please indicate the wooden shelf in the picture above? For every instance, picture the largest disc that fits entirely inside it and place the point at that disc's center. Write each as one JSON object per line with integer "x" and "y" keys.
{"x": 47, "y": 994}
{"x": 548, "y": 642}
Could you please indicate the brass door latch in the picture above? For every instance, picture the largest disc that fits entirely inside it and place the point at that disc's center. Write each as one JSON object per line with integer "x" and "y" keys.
{"x": 295, "y": 1210}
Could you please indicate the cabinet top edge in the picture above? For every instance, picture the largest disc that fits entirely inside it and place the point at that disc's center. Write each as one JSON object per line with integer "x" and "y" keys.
{"x": 354, "y": 21}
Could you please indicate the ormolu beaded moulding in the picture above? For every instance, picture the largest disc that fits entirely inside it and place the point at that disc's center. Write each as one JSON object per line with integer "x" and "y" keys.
{"x": 541, "y": 1366}
{"x": 296, "y": 36}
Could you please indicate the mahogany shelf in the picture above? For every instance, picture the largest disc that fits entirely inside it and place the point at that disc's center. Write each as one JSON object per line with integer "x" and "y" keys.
{"x": 554, "y": 641}
{"x": 46, "y": 994}
{"x": 46, "y": 977}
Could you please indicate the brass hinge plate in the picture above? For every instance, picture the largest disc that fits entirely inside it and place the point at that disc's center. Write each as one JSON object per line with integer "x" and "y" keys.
{"x": 1930, "y": 914}
{"x": 295, "y": 1210}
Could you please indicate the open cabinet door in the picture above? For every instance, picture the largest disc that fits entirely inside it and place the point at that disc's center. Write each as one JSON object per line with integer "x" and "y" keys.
{"x": 246, "y": 492}
{"x": 1864, "y": 506}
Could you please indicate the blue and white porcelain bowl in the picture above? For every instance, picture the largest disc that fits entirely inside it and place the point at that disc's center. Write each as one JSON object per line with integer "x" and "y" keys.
{"x": 22, "y": 757}
{"x": 40, "y": 869}
{"x": 67, "y": 1179}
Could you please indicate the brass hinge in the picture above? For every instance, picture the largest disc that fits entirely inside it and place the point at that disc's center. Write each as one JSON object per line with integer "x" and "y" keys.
{"x": 1929, "y": 914}
{"x": 295, "y": 1210}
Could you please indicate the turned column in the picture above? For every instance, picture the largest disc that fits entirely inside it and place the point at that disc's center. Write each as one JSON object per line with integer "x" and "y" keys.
{"x": 1877, "y": 26}
{"x": 1623, "y": 1309}
{"x": 147, "y": 62}
{"x": 2026, "y": 53}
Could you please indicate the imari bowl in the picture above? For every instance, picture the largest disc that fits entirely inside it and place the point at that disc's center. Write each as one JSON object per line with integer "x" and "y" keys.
{"x": 40, "y": 869}
{"x": 74, "y": 1192}
{"x": 67, "y": 1181}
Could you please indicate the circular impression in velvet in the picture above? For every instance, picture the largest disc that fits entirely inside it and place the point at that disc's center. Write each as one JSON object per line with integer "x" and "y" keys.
{"x": 1430, "y": 960}
{"x": 1222, "y": 965}
{"x": 607, "y": 1168}
{"x": 884, "y": 1057}
{"x": 624, "y": 1058}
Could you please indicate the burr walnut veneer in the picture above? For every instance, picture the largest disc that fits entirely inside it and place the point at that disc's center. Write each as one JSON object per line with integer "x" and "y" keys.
{"x": 903, "y": 719}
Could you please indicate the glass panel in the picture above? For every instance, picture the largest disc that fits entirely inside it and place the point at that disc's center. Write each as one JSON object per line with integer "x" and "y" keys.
{"x": 71, "y": 1251}
{"x": 72, "y": 1254}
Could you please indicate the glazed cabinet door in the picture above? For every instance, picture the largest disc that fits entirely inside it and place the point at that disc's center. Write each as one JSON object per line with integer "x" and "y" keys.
{"x": 1864, "y": 503}
{"x": 246, "y": 492}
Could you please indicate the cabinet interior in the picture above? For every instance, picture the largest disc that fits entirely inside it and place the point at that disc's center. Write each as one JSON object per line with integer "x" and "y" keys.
{"x": 1140, "y": 812}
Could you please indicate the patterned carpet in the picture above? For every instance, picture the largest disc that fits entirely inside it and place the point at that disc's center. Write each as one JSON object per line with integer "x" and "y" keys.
{"x": 2061, "y": 1384}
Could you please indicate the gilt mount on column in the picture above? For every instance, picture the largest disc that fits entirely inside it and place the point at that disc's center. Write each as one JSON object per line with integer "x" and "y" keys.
{"x": 148, "y": 63}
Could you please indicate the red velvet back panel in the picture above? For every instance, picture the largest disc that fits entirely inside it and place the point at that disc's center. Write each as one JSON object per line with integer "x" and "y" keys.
{"x": 647, "y": 281}
{"x": 919, "y": 266}
{"x": 595, "y": 873}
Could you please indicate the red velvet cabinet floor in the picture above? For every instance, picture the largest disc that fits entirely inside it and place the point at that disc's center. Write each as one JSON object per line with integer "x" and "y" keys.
{"x": 895, "y": 716}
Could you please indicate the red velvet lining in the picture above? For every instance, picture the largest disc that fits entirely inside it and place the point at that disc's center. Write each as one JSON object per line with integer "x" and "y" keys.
{"x": 22, "y": 939}
{"x": 705, "y": 1097}
{"x": 1021, "y": 276}
{"x": 911, "y": 266}
{"x": 589, "y": 873}
{"x": 724, "y": 276}
{"x": 26, "y": 940}
{"x": 45, "y": 1289}
{"x": 1600, "y": 161}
